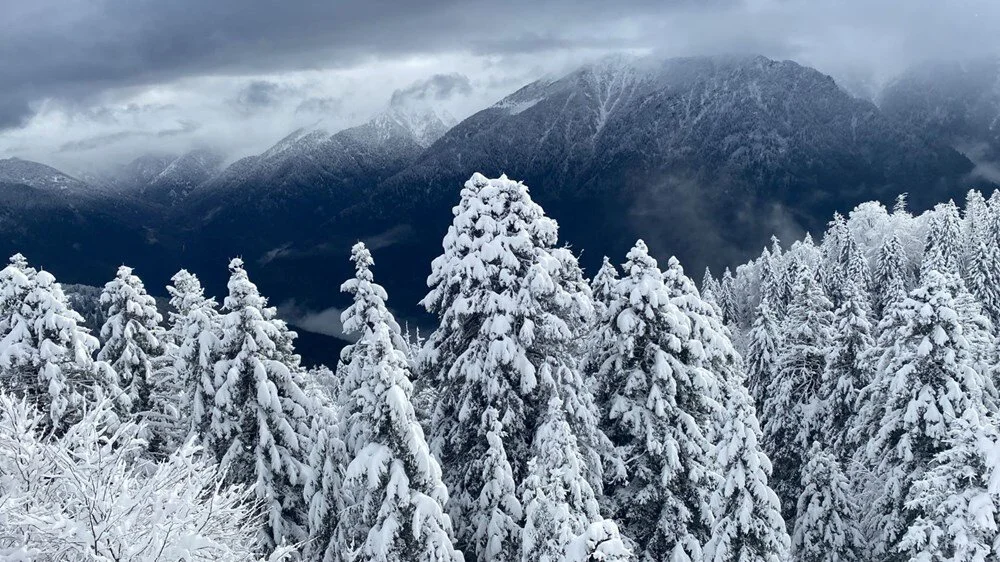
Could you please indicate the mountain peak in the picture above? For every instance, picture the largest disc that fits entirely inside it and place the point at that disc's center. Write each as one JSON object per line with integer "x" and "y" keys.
{"x": 38, "y": 176}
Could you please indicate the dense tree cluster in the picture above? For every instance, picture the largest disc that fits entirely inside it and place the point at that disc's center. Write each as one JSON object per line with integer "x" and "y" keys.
{"x": 548, "y": 418}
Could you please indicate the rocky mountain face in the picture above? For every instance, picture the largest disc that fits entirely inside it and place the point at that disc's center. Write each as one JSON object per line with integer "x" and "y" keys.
{"x": 703, "y": 157}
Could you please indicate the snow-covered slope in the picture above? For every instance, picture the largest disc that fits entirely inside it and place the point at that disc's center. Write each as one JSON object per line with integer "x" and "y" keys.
{"x": 39, "y": 176}
{"x": 955, "y": 101}
{"x": 184, "y": 174}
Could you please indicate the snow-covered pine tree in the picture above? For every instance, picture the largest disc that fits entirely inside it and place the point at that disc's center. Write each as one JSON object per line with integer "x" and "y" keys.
{"x": 825, "y": 524}
{"x": 983, "y": 266}
{"x": 829, "y": 271}
{"x": 748, "y": 523}
{"x": 924, "y": 382}
{"x": 498, "y": 532}
{"x": 943, "y": 250}
{"x": 726, "y": 297}
{"x": 890, "y": 279}
{"x": 958, "y": 499}
{"x": 559, "y": 503}
{"x": 974, "y": 219}
{"x": 781, "y": 265}
{"x": 260, "y": 415}
{"x": 327, "y": 460}
{"x": 848, "y": 370}
{"x": 709, "y": 286}
{"x": 762, "y": 353}
{"x": 770, "y": 280}
{"x": 602, "y": 286}
{"x": 747, "y": 514}
{"x": 854, "y": 274}
{"x": 792, "y": 402}
{"x": 656, "y": 409}
{"x": 393, "y": 493}
{"x": 47, "y": 356}
{"x": 14, "y": 284}
{"x": 132, "y": 338}
{"x": 508, "y": 304}
{"x": 195, "y": 328}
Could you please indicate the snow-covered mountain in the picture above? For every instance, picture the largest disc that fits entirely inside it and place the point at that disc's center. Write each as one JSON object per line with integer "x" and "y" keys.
{"x": 39, "y": 176}
{"x": 958, "y": 102}
{"x": 704, "y": 155}
{"x": 312, "y": 157}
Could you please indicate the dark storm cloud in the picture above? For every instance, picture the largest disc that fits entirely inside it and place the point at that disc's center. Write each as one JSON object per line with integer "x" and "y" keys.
{"x": 99, "y": 141}
{"x": 59, "y": 48}
{"x": 90, "y": 58}
{"x": 259, "y": 93}
{"x": 14, "y": 111}
{"x": 436, "y": 88}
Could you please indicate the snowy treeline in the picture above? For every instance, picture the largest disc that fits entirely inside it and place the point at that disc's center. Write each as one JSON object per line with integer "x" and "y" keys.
{"x": 872, "y": 358}
{"x": 548, "y": 418}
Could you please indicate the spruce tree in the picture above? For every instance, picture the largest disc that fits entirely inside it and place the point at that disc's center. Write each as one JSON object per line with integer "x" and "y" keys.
{"x": 259, "y": 420}
{"x": 47, "y": 356}
{"x": 782, "y": 280}
{"x": 957, "y": 499}
{"x": 393, "y": 490}
{"x": 830, "y": 272}
{"x": 323, "y": 490}
{"x": 770, "y": 280}
{"x": 854, "y": 274}
{"x": 975, "y": 219}
{"x": 709, "y": 287}
{"x": 943, "y": 250}
{"x": 726, "y": 299}
{"x": 195, "y": 328}
{"x": 498, "y": 518}
{"x": 924, "y": 382}
{"x": 890, "y": 278}
{"x": 559, "y": 503}
{"x": 792, "y": 404}
{"x": 510, "y": 307}
{"x": 657, "y": 411}
{"x": 14, "y": 285}
{"x": 748, "y": 523}
{"x": 983, "y": 268}
{"x": 825, "y": 526}
{"x": 602, "y": 286}
{"x": 762, "y": 353}
{"x": 132, "y": 338}
{"x": 848, "y": 370}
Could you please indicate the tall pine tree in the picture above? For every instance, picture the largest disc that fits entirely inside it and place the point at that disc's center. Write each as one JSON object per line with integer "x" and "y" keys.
{"x": 658, "y": 409}
{"x": 132, "y": 337}
{"x": 825, "y": 525}
{"x": 509, "y": 308}
{"x": 393, "y": 493}
{"x": 195, "y": 328}
{"x": 259, "y": 428}
{"x": 792, "y": 403}
{"x": 924, "y": 382}
{"x": 958, "y": 498}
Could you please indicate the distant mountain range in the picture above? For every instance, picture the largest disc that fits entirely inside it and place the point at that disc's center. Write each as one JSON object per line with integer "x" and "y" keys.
{"x": 703, "y": 157}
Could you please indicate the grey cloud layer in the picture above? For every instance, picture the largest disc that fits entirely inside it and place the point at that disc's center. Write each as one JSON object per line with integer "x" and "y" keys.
{"x": 76, "y": 54}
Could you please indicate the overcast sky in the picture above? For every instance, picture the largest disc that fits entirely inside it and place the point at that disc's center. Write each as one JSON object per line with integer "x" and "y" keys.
{"x": 85, "y": 82}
